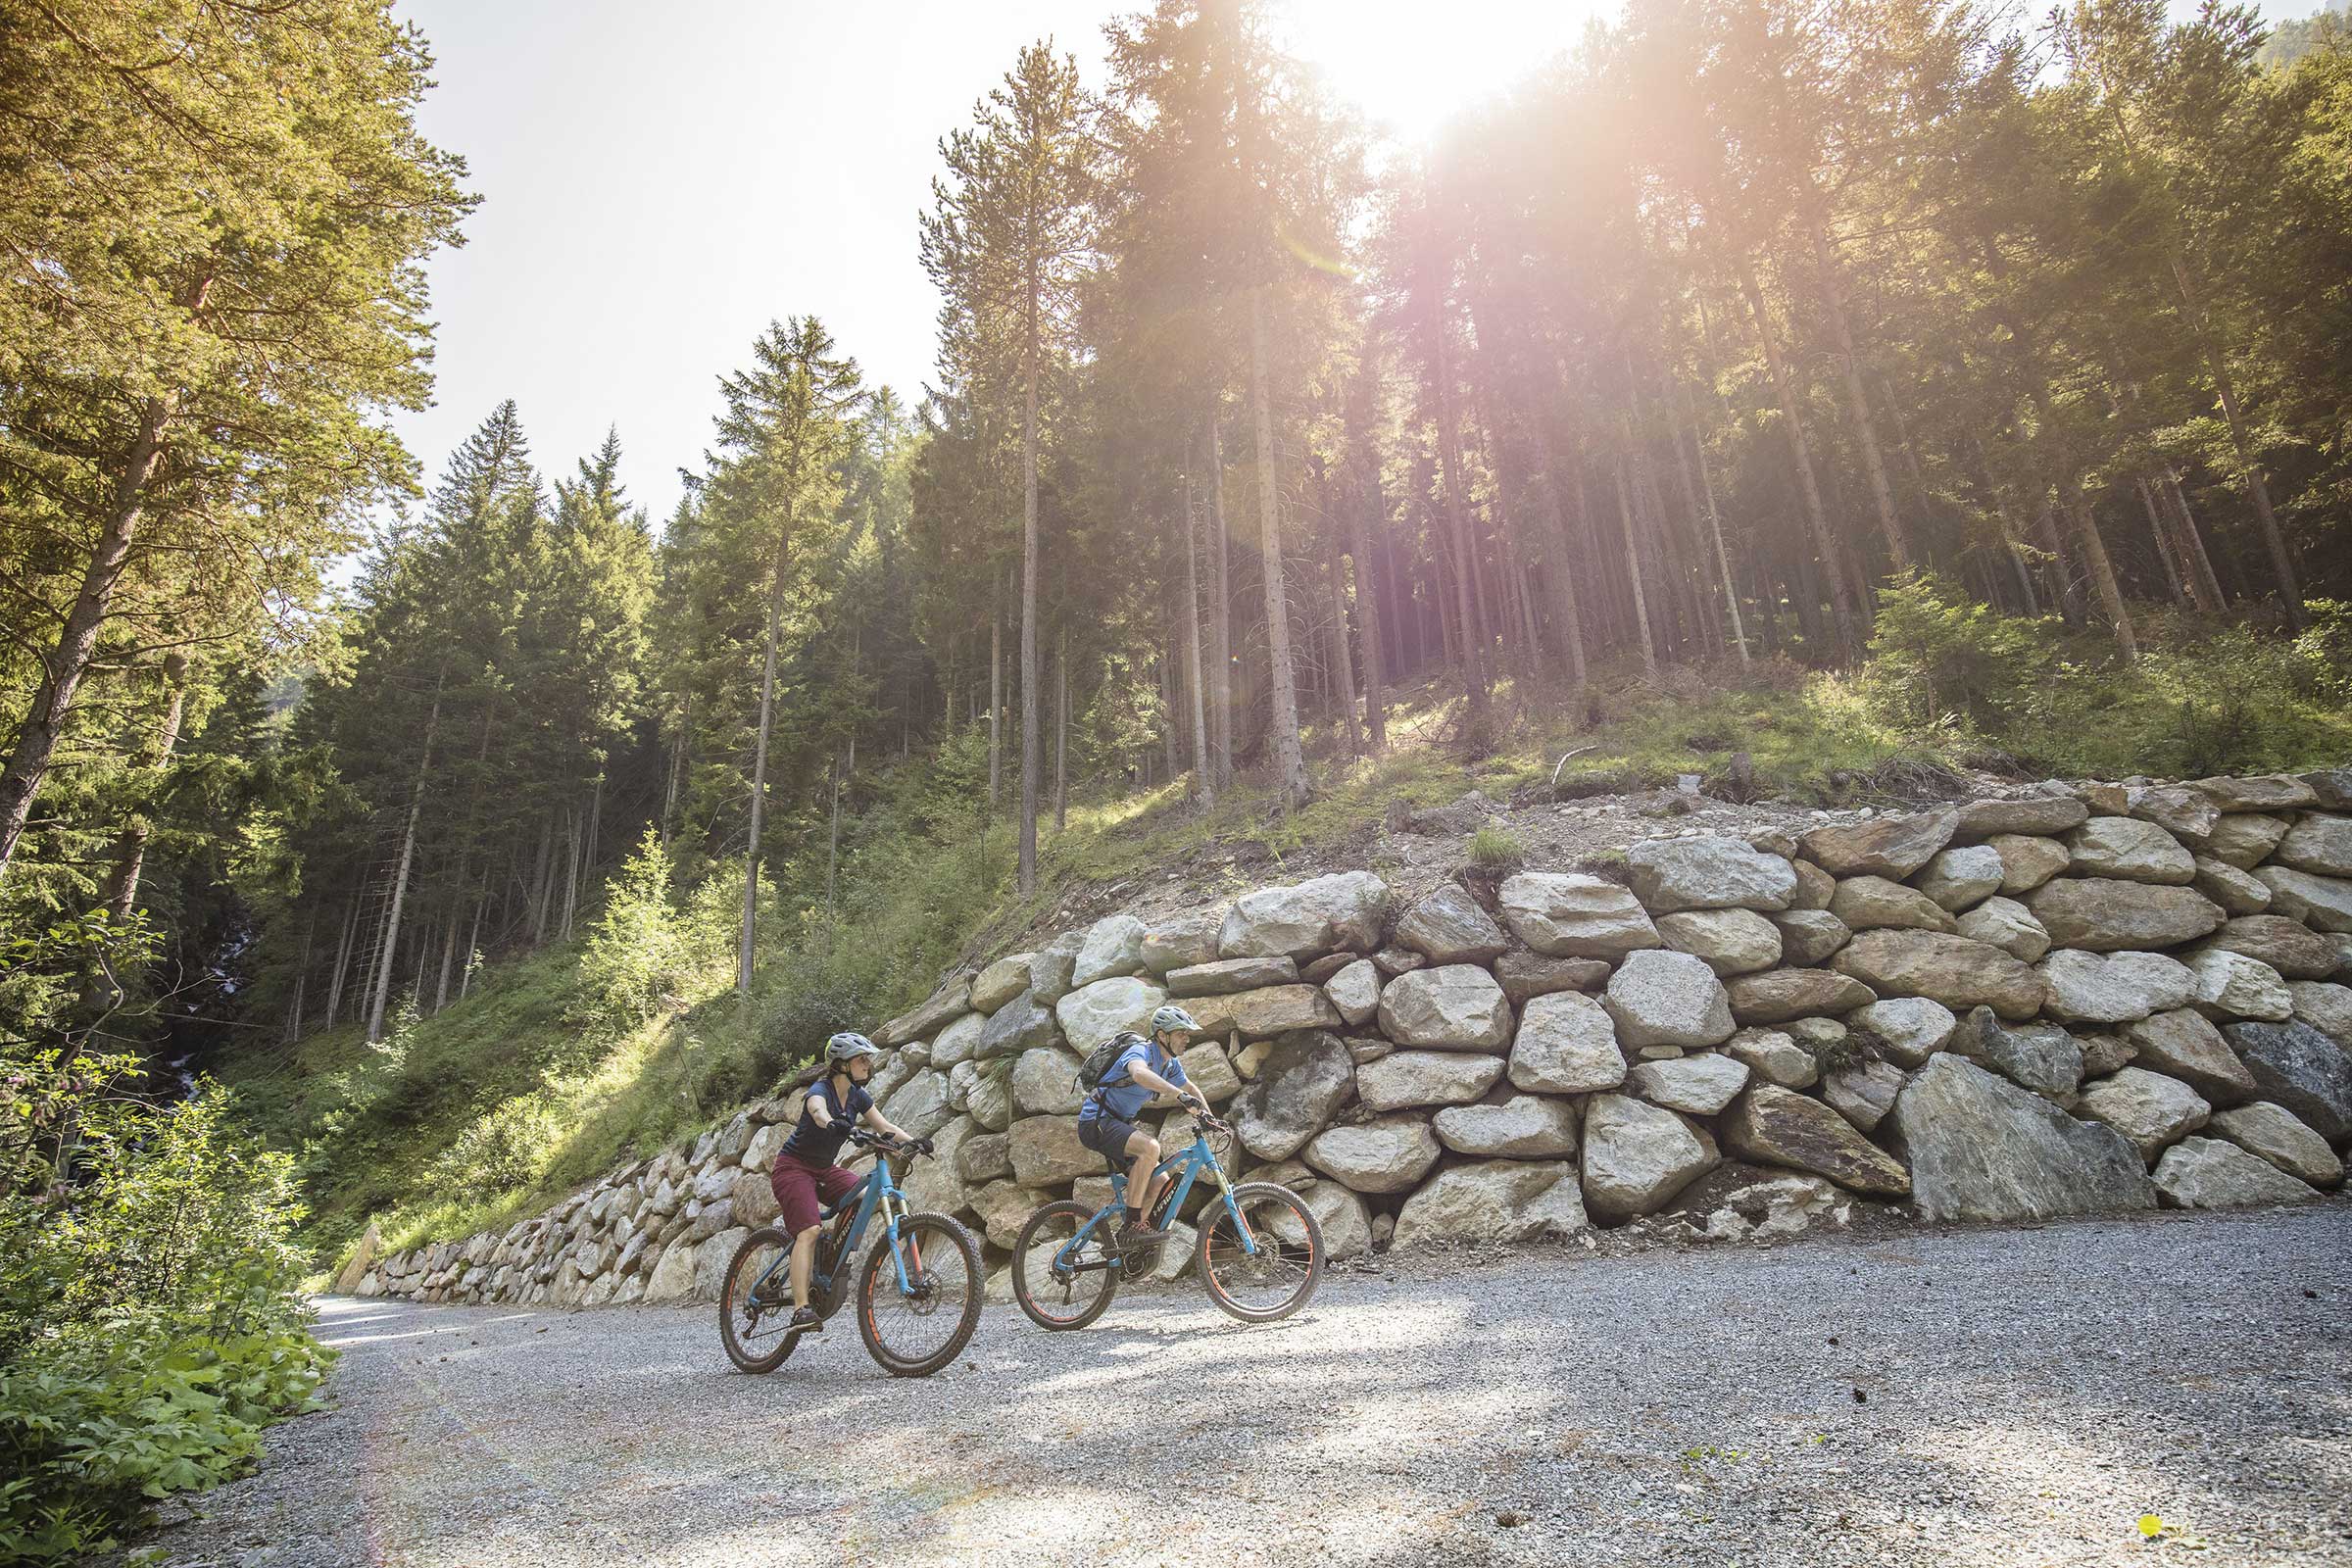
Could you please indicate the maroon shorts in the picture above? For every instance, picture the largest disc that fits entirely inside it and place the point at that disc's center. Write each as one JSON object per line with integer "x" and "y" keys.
{"x": 799, "y": 1187}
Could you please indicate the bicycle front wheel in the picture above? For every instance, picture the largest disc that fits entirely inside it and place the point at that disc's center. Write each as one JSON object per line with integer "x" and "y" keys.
{"x": 1075, "y": 1294}
{"x": 1275, "y": 1280}
{"x": 755, "y": 1304}
{"x": 913, "y": 1329}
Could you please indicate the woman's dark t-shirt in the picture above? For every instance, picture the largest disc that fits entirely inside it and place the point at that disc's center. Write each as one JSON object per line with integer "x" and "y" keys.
{"x": 813, "y": 1145}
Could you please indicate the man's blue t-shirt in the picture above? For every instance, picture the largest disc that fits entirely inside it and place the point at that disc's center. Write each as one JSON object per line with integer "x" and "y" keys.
{"x": 1120, "y": 1096}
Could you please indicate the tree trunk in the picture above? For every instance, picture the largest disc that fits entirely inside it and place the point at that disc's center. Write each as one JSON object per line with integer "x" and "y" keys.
{"x": 1220, "y": 615}
{"x": 2258, "y": 490}
{"x": 1723, "y": 562}
{"x": 449, "y": 949}
{"x": 1563, "y": 583}
{"x": 62, "y": 668}
{"x": 1825, "y": 545}
{"x": 768, "y": 706}
{"x": 996, "y": 696}
{"x": 1289, "y": 762}
{"x": 130, "y": 845}
{"x": 334, "y": 990}
{"x": 2203, "y": 585}
{"x": 1633, "y": 555}
{"x": 302, "y": 980}
{"x": 1062, "y": 730}
{"x": 1449, "y": 455}
{"x": 1027, "y": 875}
{"x": 1203, "y": 779}
{"x": 543, "y": 879}
{"x": 473, "y": 943}
{"x": 400, "y": 877}
{"x": 1833, "y": 296}
{"x": 575, "y": 843}
{"x": 1367, "y": 601}
{"x": 2160, "y": 536}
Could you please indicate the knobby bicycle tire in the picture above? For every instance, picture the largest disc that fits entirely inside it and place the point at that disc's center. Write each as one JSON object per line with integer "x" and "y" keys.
{"x": 1219, "y": 1247}
{"x": 919, "y": 1233}
{"x": 1031, "y": 1248}
{"x": 740, "y": 1278}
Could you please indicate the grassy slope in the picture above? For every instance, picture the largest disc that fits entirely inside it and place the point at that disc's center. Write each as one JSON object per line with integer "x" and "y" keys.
{"x": 503, "y": 1101}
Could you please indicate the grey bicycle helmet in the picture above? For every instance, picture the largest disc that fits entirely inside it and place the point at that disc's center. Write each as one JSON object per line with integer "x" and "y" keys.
{"x": 1171, "y": 1017}
{"x": 843, "y": 1047}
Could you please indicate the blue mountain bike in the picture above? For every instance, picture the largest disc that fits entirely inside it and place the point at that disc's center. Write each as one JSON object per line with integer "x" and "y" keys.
{"x": 1259, "y": 1251}
{"x": 919, "y": 1287}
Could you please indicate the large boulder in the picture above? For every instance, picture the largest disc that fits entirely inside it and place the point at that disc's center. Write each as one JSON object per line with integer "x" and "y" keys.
{"x": 1959, "y": 878}
{"x": 2186, "y": 1045}
{"x": 2246, "y": 840}
{"x": 2279, "y": 1136}
{"x": 1637, "y": 1157}
{"x": 2113, "y": 987}
{"x": 2176, "y": 810}
{"x": 1046, "y": 1151}
{"x": 996, "y": 984}
{"x": 2006, "y": 924}
{"x": 1667, "y": 998}
{"x": 1355, "y": 991}
{"x": 1522, "y": 1127}
{"x": 1017, "y": 1026}
{"x": 2105, "y": 915}
{"x": 1496, "y": 1201}
{"x": 1981, "y": 1149}
{"x": 2208, "y": 1173}
{"x": 1388, "y": 1154}
{"x": 1405, "y": 1078}
{"x": 2319, "y": 842}
{"x": 1569, "y": 915}
{"x": 1910, "y": 1029}
{"x": 2035, "y": 815}
{"x": 1207, "y": 1069}
{"x": 672, "y": 1276}
{"x": 920, "y": 1106}
{"x": 936, "y": 1184}
{"x": 1809, "y": 936}
{"x": 1052, "y": 965}
{"x": 1777, "y": 996}
{"x": 1525, "y": 976}
{"x": 1221, "y": 978}
{"x": 2259, "y": 792}
{"x": 947, "y": 1003}
{"x": 2027, "y": 862}
{"x": 1045, "y": 1083}
{"x": 2236, "y": 892}
{"x": 1775, "y": 1126}
{"x": 1454, "y": 1007}
{"x": 1306, "y": 1077}
{"x": 1708, "y": 873}
{"x": 1889, "y": 845}
{"x": 1003, "y": 1208}
{"x": 2322, "y": 903}
{"x": 961, "y": 1041}
{"x": 1862, "y": 1090}
{"x": 2148, "y": 1108}
{"x": 2039, "y": 1057}
{"x": 1341, "y": 1215}
{"x": 1324, "y": 915}
{"x": 2230, "y": 985}
{"x": 2296, "y": 1066}
{"x": 1873, "y": 902}
{"x": 2289, "y": 946}
{"x": 1773, "y": 1057}
{"x": 1093, "y": 1013}
{"x": 1259, "y": 1014}
{"x": 1697, "y": 1086}
{"x": 1182, "y": 940}
{"x": 2128, "y": 847}
{"x": 1566, "y": 1045}
{"x": 1448, "y": 927}
{"x": 2324, "y": 1006}
{"x": 1113, "y": 945}
{"x": 1945, "y": 969}
{"x": 1726, "y": 941}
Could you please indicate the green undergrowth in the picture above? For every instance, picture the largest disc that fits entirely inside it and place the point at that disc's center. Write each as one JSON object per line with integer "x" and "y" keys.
{"x": 564, "y": 1063}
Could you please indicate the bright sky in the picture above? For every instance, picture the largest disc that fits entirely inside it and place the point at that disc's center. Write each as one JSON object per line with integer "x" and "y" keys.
{"x": 660, "y": 181}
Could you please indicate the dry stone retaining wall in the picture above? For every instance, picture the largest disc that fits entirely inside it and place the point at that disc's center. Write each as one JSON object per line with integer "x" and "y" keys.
{"x": 2086, "y": 998}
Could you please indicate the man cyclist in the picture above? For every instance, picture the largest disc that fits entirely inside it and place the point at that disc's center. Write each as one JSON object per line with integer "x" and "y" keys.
{"x": 1106, "y": 1121}
{"x": 806, "y": 1176}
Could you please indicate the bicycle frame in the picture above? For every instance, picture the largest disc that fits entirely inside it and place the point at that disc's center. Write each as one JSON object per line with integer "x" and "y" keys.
{"x": 875, "y": 1190}
{"x": 1184, "y": 1167}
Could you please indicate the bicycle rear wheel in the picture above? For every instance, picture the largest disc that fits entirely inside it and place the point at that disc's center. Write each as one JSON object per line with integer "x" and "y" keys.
{"x": 1068, "y": 1297}
{"x": 913, "y": 1331}
{"x": 1277, "y": 1279}
{"x": 756, "y": 1303}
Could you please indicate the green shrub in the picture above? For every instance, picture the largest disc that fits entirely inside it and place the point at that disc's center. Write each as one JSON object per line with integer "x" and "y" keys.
{"x": 1934, "y": 653}
{"x": 639, "y": 958}
{"x": 150, "y": 1317}
{"x": 1496, "y": 849}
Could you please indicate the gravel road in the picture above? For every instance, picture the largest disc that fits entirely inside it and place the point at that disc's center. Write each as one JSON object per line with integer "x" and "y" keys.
{"x": 1983, "y": 1396}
